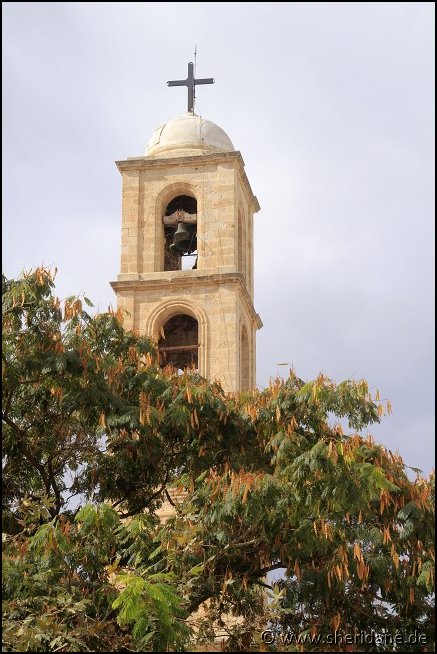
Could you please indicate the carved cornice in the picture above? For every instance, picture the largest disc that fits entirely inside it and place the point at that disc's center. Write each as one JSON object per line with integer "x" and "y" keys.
{"x": 153, "y": 163}
{"x": 181, "y": 281}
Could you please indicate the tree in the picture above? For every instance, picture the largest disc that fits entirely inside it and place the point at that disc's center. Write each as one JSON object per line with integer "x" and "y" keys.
{"x": 270, "y": 480}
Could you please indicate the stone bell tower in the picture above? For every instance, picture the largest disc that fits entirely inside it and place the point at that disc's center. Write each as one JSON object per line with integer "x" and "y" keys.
{"x": 186, "y": 275}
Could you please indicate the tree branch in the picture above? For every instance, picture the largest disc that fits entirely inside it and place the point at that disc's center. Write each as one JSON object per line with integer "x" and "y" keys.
{"x": 149, "y": 500}
{"x": 57, "y": 492}
{"x": 263, "y": 571}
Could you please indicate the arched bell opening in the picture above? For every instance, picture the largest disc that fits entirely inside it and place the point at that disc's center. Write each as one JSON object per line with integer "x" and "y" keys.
{"x": 180, "y": 233}
{"x": 242, "y": 245}
{"x": 178, "y": 344}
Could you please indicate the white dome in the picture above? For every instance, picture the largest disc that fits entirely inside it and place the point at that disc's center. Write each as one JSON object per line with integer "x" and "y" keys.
{"x": 186, "y": 135}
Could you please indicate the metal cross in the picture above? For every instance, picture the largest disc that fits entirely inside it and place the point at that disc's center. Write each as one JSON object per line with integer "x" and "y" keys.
{"x": 190, "y": 82}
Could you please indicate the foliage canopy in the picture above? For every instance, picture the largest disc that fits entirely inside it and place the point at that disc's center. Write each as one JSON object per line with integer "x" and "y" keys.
{"x": 96, "y": 436}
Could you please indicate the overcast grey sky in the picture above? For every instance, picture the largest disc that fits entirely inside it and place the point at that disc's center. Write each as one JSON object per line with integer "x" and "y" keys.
{"x": 332, "y": 107}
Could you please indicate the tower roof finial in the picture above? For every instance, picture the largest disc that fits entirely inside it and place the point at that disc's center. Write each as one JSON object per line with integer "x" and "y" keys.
{"x": 191, "y": 83}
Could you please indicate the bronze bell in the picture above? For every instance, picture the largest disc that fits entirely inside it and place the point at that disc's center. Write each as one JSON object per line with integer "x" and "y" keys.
{"x": 181, "y": 239}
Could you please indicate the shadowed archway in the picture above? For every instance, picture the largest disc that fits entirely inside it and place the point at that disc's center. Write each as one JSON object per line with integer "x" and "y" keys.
{"x": 178, "y": 344}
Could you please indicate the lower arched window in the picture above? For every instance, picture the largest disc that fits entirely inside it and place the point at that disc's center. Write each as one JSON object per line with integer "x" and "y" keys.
{"x": 178, "y": 344}
{"x": 244, "y": 360}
